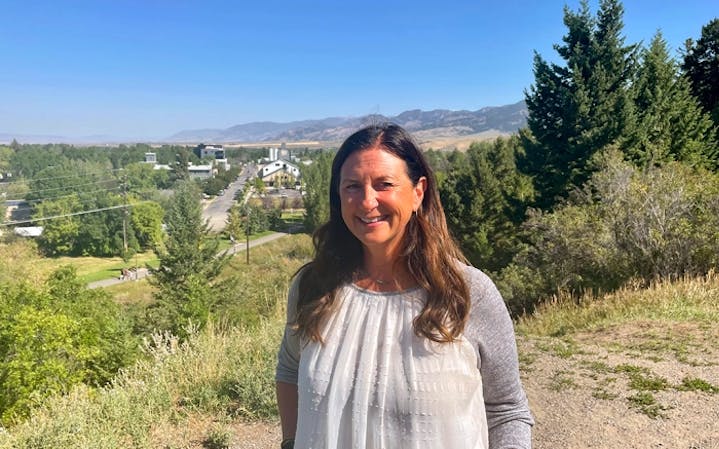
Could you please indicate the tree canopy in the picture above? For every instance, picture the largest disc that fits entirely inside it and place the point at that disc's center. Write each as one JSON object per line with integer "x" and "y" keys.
{"x": 701, "y": 65}
{"x": 580, "y": 107}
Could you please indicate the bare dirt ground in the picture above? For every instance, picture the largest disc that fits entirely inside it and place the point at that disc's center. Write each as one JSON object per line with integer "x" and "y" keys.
{"x": 625, "y": 387}
{"x": 638, "y": 385}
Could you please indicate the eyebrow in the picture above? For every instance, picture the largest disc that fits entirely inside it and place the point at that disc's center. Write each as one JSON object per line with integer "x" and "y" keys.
{"x": 350, "y": 180}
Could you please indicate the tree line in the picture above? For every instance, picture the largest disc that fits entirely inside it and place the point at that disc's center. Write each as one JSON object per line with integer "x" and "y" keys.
{"x": 127, "y": 197}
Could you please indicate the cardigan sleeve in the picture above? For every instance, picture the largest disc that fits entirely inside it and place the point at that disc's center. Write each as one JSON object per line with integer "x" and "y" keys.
{"x": 490, "y": 328}
{"x": 288, "y": 356}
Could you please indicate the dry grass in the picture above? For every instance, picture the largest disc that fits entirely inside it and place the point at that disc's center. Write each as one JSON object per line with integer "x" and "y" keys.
{"x": 135, "y": 292}
{"x": 436, "y": 141}
{"x": 687, "y": 300}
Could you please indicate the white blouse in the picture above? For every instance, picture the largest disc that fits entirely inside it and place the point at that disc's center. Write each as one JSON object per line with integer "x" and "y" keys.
{"x": 375, "y": 384}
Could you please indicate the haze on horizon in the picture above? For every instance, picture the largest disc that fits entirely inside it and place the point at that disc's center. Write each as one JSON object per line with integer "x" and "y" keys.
{"x": 147, "y": 70}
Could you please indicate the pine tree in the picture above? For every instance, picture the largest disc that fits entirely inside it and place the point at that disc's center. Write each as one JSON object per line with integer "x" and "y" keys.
{"x": 485, "y": 199}
{"x": 189, "y": 263}
{"x": 701, "y": 65}
{"x": 580, "y": 107}
{"x": 670, "y": 123}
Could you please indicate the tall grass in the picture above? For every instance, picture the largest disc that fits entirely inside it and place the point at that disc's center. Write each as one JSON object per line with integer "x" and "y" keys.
{"x": 683, "y": 300}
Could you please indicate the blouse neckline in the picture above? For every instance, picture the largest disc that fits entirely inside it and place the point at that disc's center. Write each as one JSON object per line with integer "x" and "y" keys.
{"x": 390, "y": 293}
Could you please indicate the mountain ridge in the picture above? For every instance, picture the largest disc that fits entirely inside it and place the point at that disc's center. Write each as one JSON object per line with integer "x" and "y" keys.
{"x": 501, "y": 119}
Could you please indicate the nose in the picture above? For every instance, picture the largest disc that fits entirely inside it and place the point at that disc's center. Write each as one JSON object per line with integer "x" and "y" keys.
{"x": 369, "y": 198}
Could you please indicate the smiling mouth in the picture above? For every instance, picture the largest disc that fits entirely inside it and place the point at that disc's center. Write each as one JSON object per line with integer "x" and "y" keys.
{"x": 371, "y": 220}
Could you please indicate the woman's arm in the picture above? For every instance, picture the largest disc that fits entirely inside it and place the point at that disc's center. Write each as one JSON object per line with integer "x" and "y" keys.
{"x": 490, "y": 327}
{"x": 287, "y": 404}
{"x": 288, "y": 359}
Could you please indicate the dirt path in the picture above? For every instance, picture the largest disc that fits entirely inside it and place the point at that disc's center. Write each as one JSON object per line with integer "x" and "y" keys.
{"x": 631, "y": 386}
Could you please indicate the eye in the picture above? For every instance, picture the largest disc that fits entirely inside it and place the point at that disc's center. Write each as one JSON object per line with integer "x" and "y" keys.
{"x": 385, "y": 185}
{"x": 352, "y": 187}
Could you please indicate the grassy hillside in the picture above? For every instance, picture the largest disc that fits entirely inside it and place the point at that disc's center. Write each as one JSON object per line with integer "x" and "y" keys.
{"x": 204, "y": 392}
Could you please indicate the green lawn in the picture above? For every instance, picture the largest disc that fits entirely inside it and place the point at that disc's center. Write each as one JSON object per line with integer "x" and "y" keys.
{"x": 90, "y": 269}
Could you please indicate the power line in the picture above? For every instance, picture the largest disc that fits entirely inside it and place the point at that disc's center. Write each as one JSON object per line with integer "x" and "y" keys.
{"x": 37, "y": 200}
{"x": 92, "y": 211}
{"x": 65, "y": 187}
{"x": 112, "y": 170}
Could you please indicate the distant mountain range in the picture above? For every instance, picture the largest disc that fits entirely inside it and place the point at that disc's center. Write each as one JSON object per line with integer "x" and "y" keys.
{"x": 441, "y": 122}
{"x": 427, "y": 126}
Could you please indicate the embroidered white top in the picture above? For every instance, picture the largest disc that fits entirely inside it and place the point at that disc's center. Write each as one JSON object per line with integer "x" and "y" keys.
{"x": 375, "y": 384}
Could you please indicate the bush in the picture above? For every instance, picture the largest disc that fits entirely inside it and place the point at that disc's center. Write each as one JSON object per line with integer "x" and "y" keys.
{"x": 54, "y": 337}
{"x": 661, "y": 223}
{"x": 216, "y": 371}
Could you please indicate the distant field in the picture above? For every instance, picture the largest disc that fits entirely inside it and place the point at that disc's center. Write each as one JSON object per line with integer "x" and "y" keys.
{"x": 434, "y": 139}
{"x": 450, "y": 142}
{"x": 90, "y": 269}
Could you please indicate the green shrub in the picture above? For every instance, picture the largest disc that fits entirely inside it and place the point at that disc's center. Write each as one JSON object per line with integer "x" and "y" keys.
{"x": 55, "y": 336}
{"x": 661, "y": 223}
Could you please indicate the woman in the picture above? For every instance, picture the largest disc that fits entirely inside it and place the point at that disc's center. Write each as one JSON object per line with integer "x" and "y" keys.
{"x": 392, "y": 341}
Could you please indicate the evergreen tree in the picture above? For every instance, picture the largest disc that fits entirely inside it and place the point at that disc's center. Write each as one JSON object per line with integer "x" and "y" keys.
{"x": 670, "y": 123}
{"x": 316, "y": 179}
{"x": 580, "y": 107}
{"x": 701, "y": 65}
{"x": 189, "y": 263}
{"x": 485, "y": 199}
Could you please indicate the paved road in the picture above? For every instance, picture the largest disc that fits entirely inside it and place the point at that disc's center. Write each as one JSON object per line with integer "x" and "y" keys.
{"x": 215, "y": 211}
{"x": 143, "y": 272}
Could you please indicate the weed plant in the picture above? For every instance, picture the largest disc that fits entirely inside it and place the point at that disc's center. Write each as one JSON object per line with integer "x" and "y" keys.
{"x": 696, "y": 384}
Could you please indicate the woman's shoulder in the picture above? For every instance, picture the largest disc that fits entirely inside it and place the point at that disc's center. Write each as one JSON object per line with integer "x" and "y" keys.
{"x": 476, "y": 279}
{"x": 483, "y": 293}
{"x": 294, "y": 289}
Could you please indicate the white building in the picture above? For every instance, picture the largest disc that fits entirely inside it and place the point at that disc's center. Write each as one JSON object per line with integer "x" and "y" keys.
{"x": 280, "y": 171}
{"x": 151, "y": 158}
{"x": 201, "y": 171}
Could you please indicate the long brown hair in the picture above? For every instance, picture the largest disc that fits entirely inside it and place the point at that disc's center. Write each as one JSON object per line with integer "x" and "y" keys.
{"x": 429, "y": 252}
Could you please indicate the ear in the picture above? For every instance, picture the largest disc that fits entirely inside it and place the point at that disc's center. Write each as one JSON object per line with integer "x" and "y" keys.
{"x": 419, "y": 189}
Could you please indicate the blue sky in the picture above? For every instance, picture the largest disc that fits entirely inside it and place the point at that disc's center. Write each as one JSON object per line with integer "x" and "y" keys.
{"x": 149, "y": 68}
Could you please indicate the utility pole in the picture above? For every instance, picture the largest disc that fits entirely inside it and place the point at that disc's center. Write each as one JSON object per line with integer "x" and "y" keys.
{"x": 124, "y": 218}
{"x": 247, "y": 235}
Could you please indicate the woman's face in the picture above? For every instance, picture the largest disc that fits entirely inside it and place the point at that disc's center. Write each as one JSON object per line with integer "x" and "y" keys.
{"x": 378, "y": 198}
